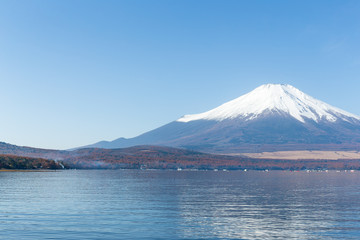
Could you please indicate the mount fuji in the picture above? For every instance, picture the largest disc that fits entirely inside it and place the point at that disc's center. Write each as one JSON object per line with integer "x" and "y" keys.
{"x": 273, "y": 117}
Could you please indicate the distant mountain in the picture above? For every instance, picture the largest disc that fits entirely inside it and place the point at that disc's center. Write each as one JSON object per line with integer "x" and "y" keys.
{"x": 10, "y": 149}
{"x": 272, "y": 117}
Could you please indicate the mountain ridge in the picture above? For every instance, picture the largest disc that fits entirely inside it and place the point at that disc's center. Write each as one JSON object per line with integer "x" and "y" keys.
{"x": 276, "y": 115}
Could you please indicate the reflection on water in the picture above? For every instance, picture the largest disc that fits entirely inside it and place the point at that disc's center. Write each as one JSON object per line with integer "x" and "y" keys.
{"x": 135, "y": 204}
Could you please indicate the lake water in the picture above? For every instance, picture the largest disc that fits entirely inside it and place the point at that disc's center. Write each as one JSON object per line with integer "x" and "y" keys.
{"x": 135, "y": 204}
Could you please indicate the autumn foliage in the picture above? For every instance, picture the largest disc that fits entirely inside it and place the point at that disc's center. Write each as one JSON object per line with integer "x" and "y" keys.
{"x": 154, "y": 157}
{"x": 16, "y": 162}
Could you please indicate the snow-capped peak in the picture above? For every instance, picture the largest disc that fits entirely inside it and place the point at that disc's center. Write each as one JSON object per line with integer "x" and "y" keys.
{"x": 275, "y": 98}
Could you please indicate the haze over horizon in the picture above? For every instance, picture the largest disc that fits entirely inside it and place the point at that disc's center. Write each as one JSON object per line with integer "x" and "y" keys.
{"x": 77, "y": 72}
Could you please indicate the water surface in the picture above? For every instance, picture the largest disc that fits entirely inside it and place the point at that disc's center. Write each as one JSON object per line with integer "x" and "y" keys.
{"x": 135, "y": 204}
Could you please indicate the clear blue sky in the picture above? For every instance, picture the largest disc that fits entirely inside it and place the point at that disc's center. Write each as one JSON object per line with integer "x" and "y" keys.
{"x": 74, "y": 72}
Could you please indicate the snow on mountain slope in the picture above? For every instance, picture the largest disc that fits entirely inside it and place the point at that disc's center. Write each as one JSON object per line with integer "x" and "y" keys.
{"x": 275, "y": 98}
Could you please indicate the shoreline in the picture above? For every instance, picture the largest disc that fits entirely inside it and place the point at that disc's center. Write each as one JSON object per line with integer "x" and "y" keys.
{"x": 29, "y": 170}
